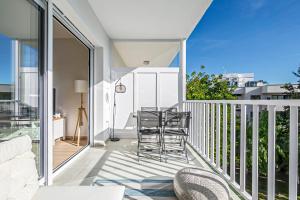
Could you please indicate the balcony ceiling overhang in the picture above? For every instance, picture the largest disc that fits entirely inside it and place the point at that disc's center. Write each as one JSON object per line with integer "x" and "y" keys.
{"x": 134, "y": 54}
{"x": 149, "y": 19}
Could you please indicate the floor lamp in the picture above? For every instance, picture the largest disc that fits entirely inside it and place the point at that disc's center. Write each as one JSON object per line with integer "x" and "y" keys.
{"x": 119, "y": 88}
{"x": 81, "y": 86}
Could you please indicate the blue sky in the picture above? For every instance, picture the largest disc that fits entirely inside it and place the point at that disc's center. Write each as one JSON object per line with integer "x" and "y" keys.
{"x": 260, "y": 36}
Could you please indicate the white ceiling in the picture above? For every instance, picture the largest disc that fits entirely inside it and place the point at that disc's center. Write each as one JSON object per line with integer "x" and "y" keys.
{"x": 149, "y": 19}
{"x": 133, "y": 54}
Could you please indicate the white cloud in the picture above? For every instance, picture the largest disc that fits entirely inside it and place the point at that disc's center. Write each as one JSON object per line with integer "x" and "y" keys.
{"x": 209, "y": 44}
{"x": 257, "y": 4}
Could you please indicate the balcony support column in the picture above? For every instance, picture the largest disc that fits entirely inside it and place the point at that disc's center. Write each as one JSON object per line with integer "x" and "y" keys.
{"x": 182, "y": 74}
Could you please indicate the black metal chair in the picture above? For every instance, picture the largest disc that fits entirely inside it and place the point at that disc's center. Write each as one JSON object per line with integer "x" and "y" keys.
{"x": 149, "y": 125}
{"x": 175, "y": 132}
{"x": 149, "y": 109}
{"x": 171, "y": 109}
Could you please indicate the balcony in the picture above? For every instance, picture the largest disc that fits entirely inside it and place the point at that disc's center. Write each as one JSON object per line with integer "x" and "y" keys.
{"x": 137, "y": 45}
{"x": 213, "y": 127}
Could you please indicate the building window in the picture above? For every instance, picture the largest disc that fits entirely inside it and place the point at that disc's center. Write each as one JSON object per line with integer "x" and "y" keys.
{"x": 255, "y": 97}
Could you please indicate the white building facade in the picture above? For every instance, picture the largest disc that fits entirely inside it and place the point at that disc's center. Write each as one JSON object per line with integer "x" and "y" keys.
{"x": 238, "y": 79}
{"x": 264, "y": 92}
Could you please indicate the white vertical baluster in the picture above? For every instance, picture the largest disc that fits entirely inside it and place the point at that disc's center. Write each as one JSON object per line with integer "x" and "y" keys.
{"x": 224, "y": 143}
{"x": 232, "y": 142}
{"x": 243, "y": 135}
{"x": 212, "y": 140}
{"x": 293, "y": 159}
{"x": 198, "y": 126}
{"x": 271, "y": 152}
{"x": 203, "y": 129}
{"x": 218, "y": 135}
{"x": 191, "y": 123}
{"x": 255, "y": 138}
{"x": 194, "y": 125}
{"x": 207, "y": 130}
{"x": 188, "y": 110}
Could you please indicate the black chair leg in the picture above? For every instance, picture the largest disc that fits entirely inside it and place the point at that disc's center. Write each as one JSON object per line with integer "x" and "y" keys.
{"x": 164, "y": 147}
{"x": 185, "y": 149}
{"x": 160, "y": 147}
{"x": 138, "y": 151}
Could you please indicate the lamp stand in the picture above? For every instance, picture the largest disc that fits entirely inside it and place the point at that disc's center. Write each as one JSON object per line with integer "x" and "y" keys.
{"x": 113, "y": 138}
{"x": 79, "y": 124}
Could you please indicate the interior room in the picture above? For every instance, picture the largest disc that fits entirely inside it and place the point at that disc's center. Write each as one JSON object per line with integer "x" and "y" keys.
{"x": 70, "y": 94}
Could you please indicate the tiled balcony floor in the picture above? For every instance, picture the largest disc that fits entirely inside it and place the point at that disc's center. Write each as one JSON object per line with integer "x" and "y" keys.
{"x": 117, "y": 164}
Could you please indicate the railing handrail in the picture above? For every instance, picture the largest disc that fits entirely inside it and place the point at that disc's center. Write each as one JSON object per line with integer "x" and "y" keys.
{"x": 287, "y": 102}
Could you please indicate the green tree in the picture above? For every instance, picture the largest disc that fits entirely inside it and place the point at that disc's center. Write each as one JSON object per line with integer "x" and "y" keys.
{"x": 203, "y": 86}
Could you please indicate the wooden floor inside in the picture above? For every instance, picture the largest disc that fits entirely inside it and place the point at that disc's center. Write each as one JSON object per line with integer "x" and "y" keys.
{"x": 64, "y": 149}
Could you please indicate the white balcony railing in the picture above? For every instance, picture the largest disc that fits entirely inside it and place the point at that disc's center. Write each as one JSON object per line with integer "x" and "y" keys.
{"x": 209, "y": 118}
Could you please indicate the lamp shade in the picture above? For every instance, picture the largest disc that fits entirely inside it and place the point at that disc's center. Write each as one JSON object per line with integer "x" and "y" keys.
{"x": 120, "y": 88}
{"x": 81, "y": 86}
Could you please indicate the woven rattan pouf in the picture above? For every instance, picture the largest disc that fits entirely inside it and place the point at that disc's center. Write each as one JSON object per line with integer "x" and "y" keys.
{"x": 200, "y": 184}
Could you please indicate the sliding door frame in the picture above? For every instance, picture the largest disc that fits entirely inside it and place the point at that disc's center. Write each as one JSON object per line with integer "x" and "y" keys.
{"x": 42, "y": 77}
{"x": 54, "y": 12}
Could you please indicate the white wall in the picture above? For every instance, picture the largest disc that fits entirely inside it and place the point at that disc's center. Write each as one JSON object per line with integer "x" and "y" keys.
{"x": 70, "y": 63}
{"x": 144, "y": 87}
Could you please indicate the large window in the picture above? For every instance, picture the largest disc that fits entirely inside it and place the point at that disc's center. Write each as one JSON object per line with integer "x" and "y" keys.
{"x": 20, "y": 78}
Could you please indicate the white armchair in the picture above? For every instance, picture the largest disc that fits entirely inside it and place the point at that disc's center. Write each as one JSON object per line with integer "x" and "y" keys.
{"x": 19, "y": 178}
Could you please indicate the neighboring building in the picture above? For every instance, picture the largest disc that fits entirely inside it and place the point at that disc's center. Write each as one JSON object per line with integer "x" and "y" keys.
{"x": 255, "y": 90}
{"x": 261, "y": 91}
{"x": 248, "y": 88}
{"x": 238, "y": 79}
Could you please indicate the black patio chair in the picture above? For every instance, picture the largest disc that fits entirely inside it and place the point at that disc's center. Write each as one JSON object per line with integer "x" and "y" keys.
{"x": 149, "y": 132}
{"x": 171, "y": 109}
{"x": 175, "y": 132}
{"x": 149, "y": 109}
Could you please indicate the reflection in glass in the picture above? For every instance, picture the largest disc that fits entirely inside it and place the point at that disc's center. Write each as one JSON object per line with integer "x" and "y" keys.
{"x": 19, "y": 72}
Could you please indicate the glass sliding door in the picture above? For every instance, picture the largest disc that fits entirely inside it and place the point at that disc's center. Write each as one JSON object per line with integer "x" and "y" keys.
{"x": 21, "y": 61}
{"x": 70, "y": 67}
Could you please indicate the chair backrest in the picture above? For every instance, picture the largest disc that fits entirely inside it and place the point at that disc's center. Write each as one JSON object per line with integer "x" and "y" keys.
{"x": 179, "y": 120}
{"x": 148, "y": 119}
{"x": 167, "y": 109}
{"x": 171, "y": 109}
{"x": 149, "y": 109}
{"x": 18, "y": 174}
